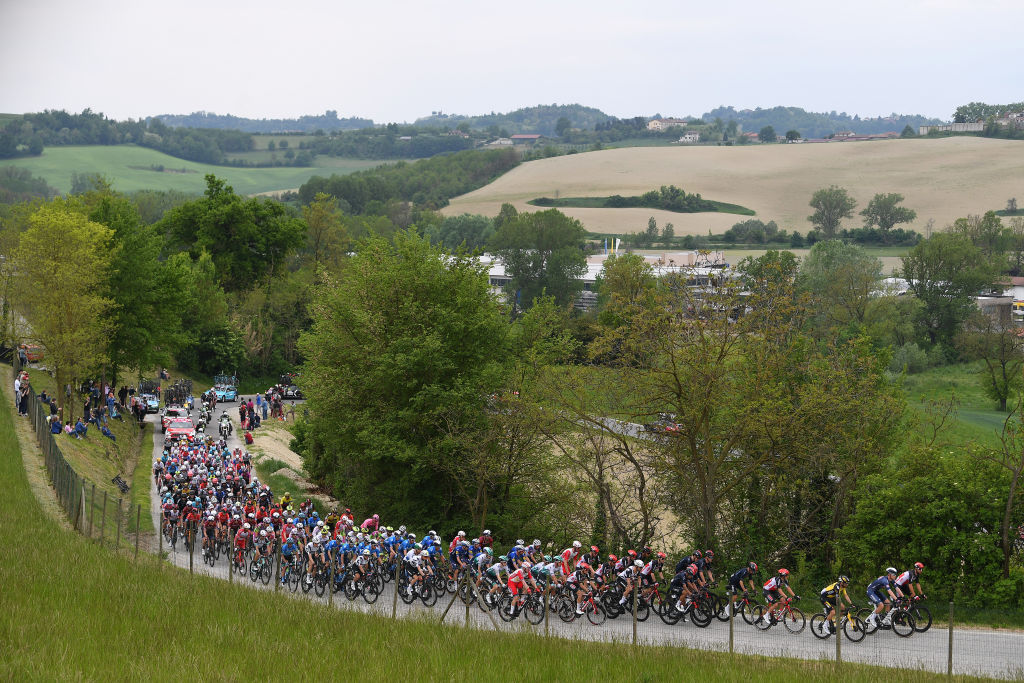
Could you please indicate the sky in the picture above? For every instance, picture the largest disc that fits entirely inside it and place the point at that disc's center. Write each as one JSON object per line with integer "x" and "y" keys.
{"x": 397, "y": 60}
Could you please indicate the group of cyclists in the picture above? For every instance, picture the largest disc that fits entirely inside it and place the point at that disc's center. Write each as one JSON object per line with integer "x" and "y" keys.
{"x": 210, "y": 490}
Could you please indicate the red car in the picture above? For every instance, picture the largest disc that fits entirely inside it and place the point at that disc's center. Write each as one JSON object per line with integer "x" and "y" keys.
{"x": 179, "y": 428}
{"x": 173, "y": 414}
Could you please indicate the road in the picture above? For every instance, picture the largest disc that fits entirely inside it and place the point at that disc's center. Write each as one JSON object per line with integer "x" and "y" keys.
{"x": 982, "y": 652}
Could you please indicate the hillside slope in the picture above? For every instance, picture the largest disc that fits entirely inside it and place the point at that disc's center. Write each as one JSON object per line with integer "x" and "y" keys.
{"x": 942, "y": 179}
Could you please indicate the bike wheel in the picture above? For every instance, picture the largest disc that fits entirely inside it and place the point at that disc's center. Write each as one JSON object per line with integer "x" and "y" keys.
{"x": 669, "y": 614}
{"x": 819, "y": 626}
{"x": 533, "y": 610}
{"x": 405, "y": 593}
{"x": 902, "y": 623}
{"x": 922, "y": 618}
{"x": 505, "y": 608}
{"x": 429, "y": 595}
{"x": 264, "y": 572}
{"x": 759, "y": 617}
{"x": 294, "y": 577}
{"x": 722, "y": 608}
{"x": 595, "y": 613}
{"x": 351, "y": 590}
{"x": 566, "y": 610}
{"x": 854, "y": 629}
{"x": 701, "y": 616}
{"x": 643, "y": 610}
{"x": 320, "y": 585}
{"x": 746, "y": 610}
{"x": 795, "y": 620}
{"x": 254, "y": 571}
{"x": 371, "y": 592}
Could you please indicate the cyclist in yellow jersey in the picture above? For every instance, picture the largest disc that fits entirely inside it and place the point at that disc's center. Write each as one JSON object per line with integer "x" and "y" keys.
{"x": 286, "y": 500}
{"x": 832, "y": 597}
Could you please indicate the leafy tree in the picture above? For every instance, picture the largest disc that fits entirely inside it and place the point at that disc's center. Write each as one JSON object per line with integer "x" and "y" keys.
{"x": 792, "y": 135}
{"x": 403, "y": 350}
{"x": 60, "y": 271}
{"x": 626, "y": 288}
{"x": 883, "y": 211}
{"x": 997, "y": 343}
{"x": 248, "y": 239}
{"x": 767, "y": 134}
{"x": 831, "y": 205}
{"x": 562, "y": 126}
{"x": 668, "y": 233}
{"x": 326, "y": 237}
{"x": 987, "y": 233}
{"x": 543, "y": 253}
{"x": 470, "y": 230}
{"x": 843, "y": 278}
{"x": 908, "y": 132}
{"x": 1010, "y": 458}
{"x": 945, "y": 272}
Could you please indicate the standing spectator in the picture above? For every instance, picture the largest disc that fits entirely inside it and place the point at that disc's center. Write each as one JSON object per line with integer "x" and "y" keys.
{"x": 17, "y": 385}
{"x": 23, "y": 399}
{"x": 22, "y": 357}
{"x": 86, "y": 412}
{"x": 122, "y": 395}
{"x": 263, "y": 408}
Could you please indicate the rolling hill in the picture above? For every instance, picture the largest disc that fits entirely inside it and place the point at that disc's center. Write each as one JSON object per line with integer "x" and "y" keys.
{"x": 942, "y": 179}
{"x": 132, "y": 168}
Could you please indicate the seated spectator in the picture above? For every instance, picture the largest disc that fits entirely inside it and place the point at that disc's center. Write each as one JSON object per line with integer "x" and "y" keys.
{"x": 43, "y": 397}
{"x": 114, "y": 415}
{"x": 68, "y": 429}
{"x": 54, "y": 425}
{"x": 81, "y": 430}
{"x": 107, "y": 433}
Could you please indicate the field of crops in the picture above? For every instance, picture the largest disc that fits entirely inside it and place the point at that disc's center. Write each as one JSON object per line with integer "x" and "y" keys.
{"x": 941, "y": 179}
{"x": 132, "y": 168}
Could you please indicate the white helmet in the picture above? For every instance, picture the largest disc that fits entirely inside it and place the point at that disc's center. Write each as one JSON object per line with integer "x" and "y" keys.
{"x": 536, "y": 543}
{"x": 577, "y": 544}
{"x": 462, "y": 534}
{"x": 246, "y": 526}
{"x": 638, "y": 563}
{"x": 263, "y": 533}
{"x": 487, "y": 532}
{"x": 526, "y": 565}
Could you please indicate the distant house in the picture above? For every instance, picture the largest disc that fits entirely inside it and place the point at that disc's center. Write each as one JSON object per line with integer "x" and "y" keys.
{"x": 690, "y": 138}
{"x": 406, "y": 138}
{"x": 501, "y": 142}
{"x": 845, "y": 134}
{"x": 975, "y": 127}
{"x": 751, "y": 136}
{"x": 525, "y": 139}
{"x": 665, "y": 124}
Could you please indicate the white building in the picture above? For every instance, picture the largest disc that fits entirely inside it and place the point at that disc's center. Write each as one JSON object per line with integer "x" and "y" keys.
{"x": 665, "y": 124}
{"x": 690, "y": 138}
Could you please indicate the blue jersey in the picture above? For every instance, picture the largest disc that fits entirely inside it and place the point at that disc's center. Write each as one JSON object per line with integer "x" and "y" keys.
{"x": 290, "y": 547}
{"x": 405, "y": 546}
{"x": 882, "y": 583}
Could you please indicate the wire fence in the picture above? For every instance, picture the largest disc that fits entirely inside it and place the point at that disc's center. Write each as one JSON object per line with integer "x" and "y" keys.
{"x": 935, "y": 641}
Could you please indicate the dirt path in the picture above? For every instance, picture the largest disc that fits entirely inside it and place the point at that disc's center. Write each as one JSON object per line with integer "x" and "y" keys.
{"x": 31, "y": 456}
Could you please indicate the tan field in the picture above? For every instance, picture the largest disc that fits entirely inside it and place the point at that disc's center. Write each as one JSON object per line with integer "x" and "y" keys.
{"x": 941, "y": 179}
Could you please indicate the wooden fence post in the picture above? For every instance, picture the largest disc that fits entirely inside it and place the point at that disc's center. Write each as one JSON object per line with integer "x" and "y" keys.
{"x": 394, "y": 598}
{"x": 103, "y": 519}
{"x": 117, "y": 545}
{"x": 138, "y": 526}
{"x": 92, "y": 507}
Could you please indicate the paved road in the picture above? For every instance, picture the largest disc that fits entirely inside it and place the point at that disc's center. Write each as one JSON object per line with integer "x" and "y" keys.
{"x": 982, "y": 652}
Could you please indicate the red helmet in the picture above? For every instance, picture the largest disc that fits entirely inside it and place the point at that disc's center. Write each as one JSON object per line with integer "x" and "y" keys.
{"x": 696, "y": 554}
{"x": 918, "y": 566}
{"x": 631, "y": 553}
{"x": 752, "y": 566}
{"x": 612, "y": 558}
{"x": 594, "y": 549}
{"x": 661, "y": 556}
{"x": 584, "y": 565}
{"x": 783, "y": 572}
{"x": 692, "y": 569}
{"x": 709, "y": 553}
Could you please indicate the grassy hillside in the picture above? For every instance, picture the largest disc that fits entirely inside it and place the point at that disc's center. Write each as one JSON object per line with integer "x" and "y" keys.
{"x": 132, "y": 168}
{"x": 941, "y": 179}
{"x": 89, "y": 619}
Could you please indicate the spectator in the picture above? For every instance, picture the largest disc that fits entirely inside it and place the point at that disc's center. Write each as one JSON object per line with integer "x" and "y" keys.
{"x": 43, "y": 397}
{"x": 107, "y": 433}
{"x": 86, "y": 412}
{"x": 122, "y": 396}
{"x": 22, "y": 357}
{"x": 23, "y": 399}
{"x": 68, "y": 429}
{"x": 53, "y": 406}
{"x": 101, "y": 416}
{"x": 80, "y": 429}
{"x": 17, "y": 385}
{"x": 54, "y": 425}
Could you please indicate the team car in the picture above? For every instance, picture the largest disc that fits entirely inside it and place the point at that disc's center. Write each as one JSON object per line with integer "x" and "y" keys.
{"x": 665, "y": 424}
{"x": 173, "y": 414}
{"x": 225, "y": 387}
{"x": 179, "y": 428}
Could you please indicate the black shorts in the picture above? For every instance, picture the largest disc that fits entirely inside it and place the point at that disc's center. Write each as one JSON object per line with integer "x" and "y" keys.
{"x": 828, "y": 603}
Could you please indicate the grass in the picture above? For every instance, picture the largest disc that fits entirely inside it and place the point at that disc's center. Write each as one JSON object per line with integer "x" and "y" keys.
{"x": 129, "y": 168}
{"x": 280, "y": 484}
{"x": 978, "y": 419}
{"x": 601, "y": 203}
{"x": 85, "y": 619}
{"x": 941, "y": 179}
{"x": 141, "y": 478}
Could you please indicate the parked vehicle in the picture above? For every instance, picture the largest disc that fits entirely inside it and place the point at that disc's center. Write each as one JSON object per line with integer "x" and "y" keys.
{"x": 225, "y": 387}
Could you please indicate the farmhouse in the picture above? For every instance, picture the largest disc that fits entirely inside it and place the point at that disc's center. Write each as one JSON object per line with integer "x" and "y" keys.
{"x": 690, "y": 138}
{"x": 975, "y": 127}
{"x": 525, "y": 139}
{"x": 665, "y": 124}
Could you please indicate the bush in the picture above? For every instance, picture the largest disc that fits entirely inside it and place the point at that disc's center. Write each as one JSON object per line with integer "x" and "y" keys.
{"x": 909, "y": 357}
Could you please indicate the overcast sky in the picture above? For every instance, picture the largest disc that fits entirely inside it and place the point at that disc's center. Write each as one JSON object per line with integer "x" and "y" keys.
{"x": 398, "y": 60}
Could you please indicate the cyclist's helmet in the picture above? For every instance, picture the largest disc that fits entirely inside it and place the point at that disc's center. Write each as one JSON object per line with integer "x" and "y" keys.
{"x": 577, "y": 545}
{"x": 843, "y": 580}
{"x": 891, "y": 570}
{"x": 503, "y": 558}
{"x": 631, "y": 554}
{"x": 612, "y": 558}
{"x": 489, "y": 552}
{"x": 526, "y": 564}
{"x": 584, "y": 565}
{"x": 536, "y": 543}
{"x": 918, "y": 566}
{"x": 462, "y": 534}
{"x": 431, "y": 532}
{"x": 709, "y": 554}
{"x": 783, "y": 572}
{"x": 411, "y": 536}
{"x": 366, "y": 553}
{"x": 487, "y": 532}
{"x": 547, "y": 558}
{"x": 696, "y": 555}
{"x": 520, "y": 542}
{"x": 692, "y": 570}
{"x": 638, "y": 563}
{"x": 594, "y": 549}
{"x": 263, "y": 533}
{"x": 661, "y": 556}
{"x": 246, "y": 526}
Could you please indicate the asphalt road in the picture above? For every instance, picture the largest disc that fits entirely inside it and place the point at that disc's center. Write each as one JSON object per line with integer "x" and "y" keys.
{"x": 981, "y": 652}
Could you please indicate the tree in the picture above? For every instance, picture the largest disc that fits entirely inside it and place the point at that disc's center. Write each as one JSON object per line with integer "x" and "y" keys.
{"x": 1009, "y": 457}
{"x": 404, "y": 348}
{"x": 843, "y": 278}
{"x": 60, "y": 274}
{"x": 562, "y": 126}
{"x": 945, "y": 272}
{"x": 626, "y": 288}
{"x": 472, "y": 231}
{"x": 831, "y": 205}
{"x": 792, "y": 135}
{"x": 327, "y": 240}
{"x": 908, "y": 132}
{"x": 987, "y": 233}
{"x": 995, "y": 341}
{"x": 767, "y": 134}
{"x": 248, "y": 239}
{"x": 668, "y": 233}
{"x": 883, "y": 211}
{"x": 543, "y": 252}
{"x": 1011, "y": 205}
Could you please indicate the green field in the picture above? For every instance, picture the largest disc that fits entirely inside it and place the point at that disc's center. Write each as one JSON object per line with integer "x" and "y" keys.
{"x": 76, "y": 611}
{"x": 129, "y": 168}
{"x": 599, "y": 203}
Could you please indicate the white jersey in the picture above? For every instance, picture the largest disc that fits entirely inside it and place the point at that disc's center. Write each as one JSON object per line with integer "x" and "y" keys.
{"x": 413, "y": 557}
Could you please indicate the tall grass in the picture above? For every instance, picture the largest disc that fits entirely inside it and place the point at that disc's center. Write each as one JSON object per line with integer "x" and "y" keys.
{"x": 74, "y": 610}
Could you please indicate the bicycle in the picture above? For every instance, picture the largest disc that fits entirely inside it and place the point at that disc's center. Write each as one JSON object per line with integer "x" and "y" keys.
{"x": 900, "y": 621}
{"x": 783, "y": 610}
{"x": 238, "y": 563}
{"x": 591, "y": 608}
{"x": 851, "y": 625}
{"x": 259, "y": 569}
{"x": 921, "y": 614}
{"x": 292, "y": 573}
{"x": 532, "y": 608}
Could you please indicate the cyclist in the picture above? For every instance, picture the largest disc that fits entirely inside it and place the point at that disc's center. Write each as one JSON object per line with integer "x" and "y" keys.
{"x": 709, "y": 558}
{"x": 461, "y": 536}
{"x": 517, "y": 581}
{"x": 605, "y": 573}
{"x": 907, "y": 579}
{"x": 736, "y": 580}
{"x": 242, "y": 538}
{"x": 493, "y": 578}
{"x": 362, "y": 565}
{"x": 209, "y": 532}
{"x": 570, "y": 556}
{"x": 655, "y": 566}
{"x": 881, "y": 592}
{"x": 263, "y": 544}
{"x": 593, "y": 558}
{"x": 627, "y": 578}
{"x": 314, "y": 551}
{"x": 832, "y": 599}
{"x": 486, "y": 540}
{"x": 773, "y": 587}
{"x": 288, "y": 552}
{"x": 579, "y": 583}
